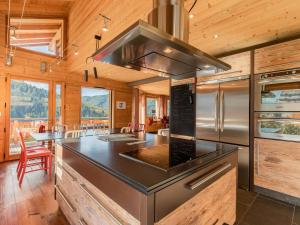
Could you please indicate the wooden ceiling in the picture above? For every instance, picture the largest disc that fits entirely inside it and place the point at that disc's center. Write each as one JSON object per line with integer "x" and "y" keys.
{"x": 236, "y": 24}
{"x": 40, "y": 8}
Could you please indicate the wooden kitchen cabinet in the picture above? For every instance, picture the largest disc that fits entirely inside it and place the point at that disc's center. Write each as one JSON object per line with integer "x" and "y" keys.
{"x": 277, "y": 57}
{"x": 240, "y": 66}
{"x": 277, "y": 166}
{"x": 215, "y": 205}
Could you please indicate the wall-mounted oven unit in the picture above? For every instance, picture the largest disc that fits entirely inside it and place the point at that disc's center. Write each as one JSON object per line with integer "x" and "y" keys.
{"x": 278, "y": 91}
{"x": 278, "y": 125}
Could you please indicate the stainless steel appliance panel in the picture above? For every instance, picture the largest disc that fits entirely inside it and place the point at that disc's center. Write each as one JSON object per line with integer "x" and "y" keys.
{"x": 278, "y": 125}
{"x": 278, "y": 91}
{"x": 234, "y": 112}
{"x": 243, "y": 168}
{"x": 207, "y": 113}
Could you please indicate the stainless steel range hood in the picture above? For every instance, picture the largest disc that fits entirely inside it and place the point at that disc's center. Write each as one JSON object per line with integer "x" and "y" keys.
{"x": 160, "y": 46}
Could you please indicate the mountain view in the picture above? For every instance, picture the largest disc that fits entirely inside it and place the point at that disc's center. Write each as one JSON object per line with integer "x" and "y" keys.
{"x": 95, "y": 106}
{"x": 30, "y": 100}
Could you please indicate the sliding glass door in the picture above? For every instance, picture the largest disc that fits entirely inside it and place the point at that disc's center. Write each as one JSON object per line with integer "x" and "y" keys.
{"x": 29, "y": 111}
{"x": 95, "y": 107}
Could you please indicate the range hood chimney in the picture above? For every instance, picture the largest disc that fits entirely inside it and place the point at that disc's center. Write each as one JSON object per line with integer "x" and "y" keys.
{"x": 171, "y": 17}
{"x": 160, "y": 46}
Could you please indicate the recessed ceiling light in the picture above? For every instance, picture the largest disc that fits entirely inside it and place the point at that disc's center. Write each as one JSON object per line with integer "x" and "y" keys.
{"x": 128, "y": 66}
{"x": 191, "y": 16}
{"x": 168, "y": 50}
{"x": 216, "y": 35}
{"x": 206, "y": 66}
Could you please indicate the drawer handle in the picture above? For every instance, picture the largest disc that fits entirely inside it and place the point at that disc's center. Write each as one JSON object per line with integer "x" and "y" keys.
{"x": 91, "y": 196}
{"x": 203, "y": 179}
{"x": 67, "y": 172}
{"x": 82, "y": 222}
{"x": 65, "y": 199}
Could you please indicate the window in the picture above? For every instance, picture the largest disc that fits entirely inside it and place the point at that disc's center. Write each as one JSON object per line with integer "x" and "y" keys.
{"x": 29, "y": 105}
{"x": 95, "y": 106}
{"x": 151, "y": 107}
{"x": 38, "y": 35}
{"x": 58, "y": 112}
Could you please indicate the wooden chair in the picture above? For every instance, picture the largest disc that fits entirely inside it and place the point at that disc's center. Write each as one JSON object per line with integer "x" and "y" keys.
{"x": 75, "y": 134}
{"x": 126, "y": 130}
{"x": 59, "y": 128}
{"x": 35, "y": 158}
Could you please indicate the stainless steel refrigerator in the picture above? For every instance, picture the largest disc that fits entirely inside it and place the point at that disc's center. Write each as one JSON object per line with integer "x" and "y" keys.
{"x": 222, "y": 114}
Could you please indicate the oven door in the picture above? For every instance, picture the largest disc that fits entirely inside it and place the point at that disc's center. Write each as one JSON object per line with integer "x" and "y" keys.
{"x": 278, "y": 125}
{"x": 277, "y": 93}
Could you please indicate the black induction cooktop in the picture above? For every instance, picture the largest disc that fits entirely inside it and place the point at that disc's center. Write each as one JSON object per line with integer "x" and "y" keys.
{"x": 176, "y": 153}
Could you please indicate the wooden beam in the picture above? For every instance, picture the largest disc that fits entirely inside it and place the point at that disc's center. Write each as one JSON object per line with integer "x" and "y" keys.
{"x": 30, "y": 41}
{"x": 37, "y": 27}
{"x": 146, "y": 81}
{"x": 37, "y": 35}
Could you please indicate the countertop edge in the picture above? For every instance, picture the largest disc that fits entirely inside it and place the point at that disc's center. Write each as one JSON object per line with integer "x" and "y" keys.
{"x": 141, "y": 188}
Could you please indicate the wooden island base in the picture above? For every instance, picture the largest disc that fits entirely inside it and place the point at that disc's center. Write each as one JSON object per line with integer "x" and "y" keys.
{"x": 212, "y": 203}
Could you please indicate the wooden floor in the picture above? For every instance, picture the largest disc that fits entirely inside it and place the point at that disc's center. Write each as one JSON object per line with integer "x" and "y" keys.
{"x": 33, "y": 204}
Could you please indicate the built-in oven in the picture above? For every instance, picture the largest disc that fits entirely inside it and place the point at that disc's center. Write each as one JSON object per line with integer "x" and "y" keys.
{"x": 278, "y": 125}
{"x": 278, "y": 91}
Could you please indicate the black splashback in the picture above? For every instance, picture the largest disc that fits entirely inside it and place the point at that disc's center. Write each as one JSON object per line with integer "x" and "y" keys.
{"x": 183, "y": 110}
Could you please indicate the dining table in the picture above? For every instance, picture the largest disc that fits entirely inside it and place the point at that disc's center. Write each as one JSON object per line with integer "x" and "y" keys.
{"x": 53, "y": 136}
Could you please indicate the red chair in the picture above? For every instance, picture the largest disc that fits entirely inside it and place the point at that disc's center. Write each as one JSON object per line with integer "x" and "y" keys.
{"x": 35, "y": 158}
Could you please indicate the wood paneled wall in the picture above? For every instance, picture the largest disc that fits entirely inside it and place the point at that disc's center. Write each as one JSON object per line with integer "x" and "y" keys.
{"x": 278, "y": 57}
{"x": 26, "y": 65}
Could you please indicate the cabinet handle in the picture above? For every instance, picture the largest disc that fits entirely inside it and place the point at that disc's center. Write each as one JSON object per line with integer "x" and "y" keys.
{"x": 65, "y": 199}
{"x": 67, "y": 172}
{"x": 91, "y": 196}
{"x": 203, "y": 179}
{"x": 257, "y": 158}
{"x": 82, "y": 222}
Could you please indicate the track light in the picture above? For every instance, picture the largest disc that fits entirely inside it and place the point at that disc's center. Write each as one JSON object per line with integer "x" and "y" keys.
{"x": 95, "y": 72}
{"x": 105, "y": 22}
{"x": 75, "y": 49}
{"x": 8, "y": 60}
{"x": 86, "y": 75}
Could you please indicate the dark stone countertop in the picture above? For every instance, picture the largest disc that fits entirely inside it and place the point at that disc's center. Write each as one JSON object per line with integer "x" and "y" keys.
{"x": 145, "y": 178}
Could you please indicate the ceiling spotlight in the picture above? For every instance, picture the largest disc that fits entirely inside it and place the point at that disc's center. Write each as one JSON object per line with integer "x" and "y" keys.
{"x": 75, "y": 49}
{"x": 13, "y": 34}
{"x": 105, "y": 28}
{"x": 191, "y": 15}
{"x": 8, "y": 60}
{"x": 105, "y": 22}
{"x": 216, "y": 35}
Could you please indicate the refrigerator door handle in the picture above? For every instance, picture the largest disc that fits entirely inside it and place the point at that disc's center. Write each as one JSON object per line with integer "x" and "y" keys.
{"x": 222, "y": 111}
{"x": 216, "y": 112}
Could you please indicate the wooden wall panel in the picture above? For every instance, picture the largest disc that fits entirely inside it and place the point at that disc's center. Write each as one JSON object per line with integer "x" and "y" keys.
{"x": 277, "y": 166}
{"x": 278, "y": 57}
{"x": 240, "y": 65}
{"x": 72, "y": 105}
{"x": 122, "y": 116}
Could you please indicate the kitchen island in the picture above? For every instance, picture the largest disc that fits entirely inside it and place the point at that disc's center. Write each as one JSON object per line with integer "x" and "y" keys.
{"x": 190, "y": 182}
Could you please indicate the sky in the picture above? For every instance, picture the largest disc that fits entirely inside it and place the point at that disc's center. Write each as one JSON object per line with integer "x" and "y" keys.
{"x": 93, "y": 91}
